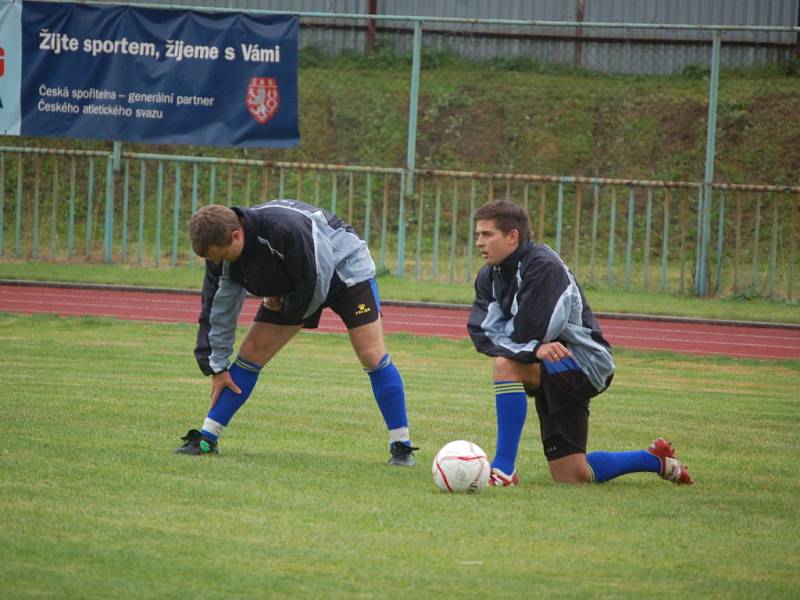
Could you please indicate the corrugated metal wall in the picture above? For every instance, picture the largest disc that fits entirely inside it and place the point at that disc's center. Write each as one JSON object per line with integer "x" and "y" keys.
{"x": 696, "y": 12}
{"x": 649, "y": 51}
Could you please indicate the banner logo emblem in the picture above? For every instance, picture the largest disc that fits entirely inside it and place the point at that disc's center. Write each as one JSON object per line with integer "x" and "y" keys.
{"x": 263, "y": 98}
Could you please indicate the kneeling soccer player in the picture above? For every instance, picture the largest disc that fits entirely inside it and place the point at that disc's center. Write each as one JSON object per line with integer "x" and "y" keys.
{"x": 299, "y": 259}
{"x": 531, "y": 316}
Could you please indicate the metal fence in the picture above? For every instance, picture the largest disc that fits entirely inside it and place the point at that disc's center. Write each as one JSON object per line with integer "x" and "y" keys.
{"x": 673, "y": 182}
{"x": 631, "y": 234}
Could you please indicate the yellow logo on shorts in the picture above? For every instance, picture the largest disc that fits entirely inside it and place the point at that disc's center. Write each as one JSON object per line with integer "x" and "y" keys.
{"x": 362, "y": 309}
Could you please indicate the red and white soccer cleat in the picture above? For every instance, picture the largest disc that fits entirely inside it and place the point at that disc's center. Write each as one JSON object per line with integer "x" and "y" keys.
{"x": 671, "y": 468}
{"x": 499, "y": 479}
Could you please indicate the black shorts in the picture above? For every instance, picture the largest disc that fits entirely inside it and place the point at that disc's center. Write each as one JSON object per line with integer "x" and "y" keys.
{"x": 562, "y": 403}
{"x": 357, "y": 305}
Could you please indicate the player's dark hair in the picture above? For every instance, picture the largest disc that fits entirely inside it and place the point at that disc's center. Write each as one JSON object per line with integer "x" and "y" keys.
{"x": 506, "y": 216}
{"x": 212, "y": 225}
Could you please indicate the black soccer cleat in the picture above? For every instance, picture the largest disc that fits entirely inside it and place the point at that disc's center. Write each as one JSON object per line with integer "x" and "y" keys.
{"x": 402, "y": 455}
{"x": 195, "y": 443}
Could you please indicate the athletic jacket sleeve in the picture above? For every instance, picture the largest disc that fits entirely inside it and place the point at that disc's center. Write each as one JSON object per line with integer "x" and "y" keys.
{"x": 307, "y": 256}
{"x": 479, "y": 313}
{"x": 491, "y": 330}
{"x": 222, "y": 302}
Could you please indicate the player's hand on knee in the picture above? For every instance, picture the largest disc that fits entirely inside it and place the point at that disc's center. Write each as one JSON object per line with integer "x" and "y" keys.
{"x": 552, "y": 352}
{"x": 219, "y": 382}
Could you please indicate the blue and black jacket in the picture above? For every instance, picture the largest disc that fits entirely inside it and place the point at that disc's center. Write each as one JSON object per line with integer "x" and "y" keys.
{"x": 291, "y": 249}
{"x": 532, "y": 298}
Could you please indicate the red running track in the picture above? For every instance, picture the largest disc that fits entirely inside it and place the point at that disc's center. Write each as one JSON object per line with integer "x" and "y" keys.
{"x": 681, "y": 336}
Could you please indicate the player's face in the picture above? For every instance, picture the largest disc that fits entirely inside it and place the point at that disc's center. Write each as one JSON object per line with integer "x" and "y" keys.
{"x": 228, "y": 253}
{"x": 494, "y": 244}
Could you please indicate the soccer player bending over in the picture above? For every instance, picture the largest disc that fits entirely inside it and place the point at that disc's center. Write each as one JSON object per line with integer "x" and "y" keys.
{"x": 530, "y": 315}
{"x": 299, "y": 259}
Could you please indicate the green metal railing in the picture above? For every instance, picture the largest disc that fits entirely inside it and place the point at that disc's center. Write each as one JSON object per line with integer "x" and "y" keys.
{"x": 634, "y": 234}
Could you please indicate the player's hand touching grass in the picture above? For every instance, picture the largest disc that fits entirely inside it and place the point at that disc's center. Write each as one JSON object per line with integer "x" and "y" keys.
{"x": 219, "y": 382}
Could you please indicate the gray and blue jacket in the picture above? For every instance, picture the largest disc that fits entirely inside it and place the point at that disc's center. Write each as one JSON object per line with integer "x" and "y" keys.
{"x": 291, "y": 249}
{"x": 532, "y": 298}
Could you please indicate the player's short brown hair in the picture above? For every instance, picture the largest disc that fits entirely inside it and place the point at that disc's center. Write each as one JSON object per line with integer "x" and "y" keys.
{"x": 506, "y": 216}
{"x": 212, "y": 225}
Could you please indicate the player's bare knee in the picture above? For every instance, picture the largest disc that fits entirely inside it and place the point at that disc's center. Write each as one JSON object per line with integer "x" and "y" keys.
{"x": 571, "y": 468}
{"x": 253, "y": 351}
{"x": 370, "y": 357}
{"x": 505, "y": 369}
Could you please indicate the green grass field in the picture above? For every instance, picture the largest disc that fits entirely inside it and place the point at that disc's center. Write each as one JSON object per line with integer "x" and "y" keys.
{"x": 300, "y": 502}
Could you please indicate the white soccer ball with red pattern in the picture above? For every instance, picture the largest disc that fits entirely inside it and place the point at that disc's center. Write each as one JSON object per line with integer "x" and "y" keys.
{"x": 461, "y": 466}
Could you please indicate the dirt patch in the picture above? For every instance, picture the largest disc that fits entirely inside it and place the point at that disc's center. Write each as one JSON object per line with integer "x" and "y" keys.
{"x": 683, "y": 124}
{"x": 464, "y": 137}
{"x": 791, "y": 150}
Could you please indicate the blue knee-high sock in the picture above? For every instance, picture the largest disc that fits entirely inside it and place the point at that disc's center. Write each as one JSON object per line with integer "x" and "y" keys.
{"x": 244, "y": 374}
{"x": 512, "y": 407}
{"x": 387, "y": 387}
{"x": 608, "y": 465}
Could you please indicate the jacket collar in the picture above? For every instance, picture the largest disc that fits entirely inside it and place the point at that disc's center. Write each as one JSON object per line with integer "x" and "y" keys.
{"x": 508, "y": 267}
{"x": 250, "y": 227}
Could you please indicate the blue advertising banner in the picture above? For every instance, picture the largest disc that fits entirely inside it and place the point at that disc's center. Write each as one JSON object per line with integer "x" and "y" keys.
{"x": 130, "y": 74}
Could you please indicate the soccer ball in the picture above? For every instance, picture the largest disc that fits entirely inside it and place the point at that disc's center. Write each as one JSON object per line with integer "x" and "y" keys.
{"x": 461, "y": 466}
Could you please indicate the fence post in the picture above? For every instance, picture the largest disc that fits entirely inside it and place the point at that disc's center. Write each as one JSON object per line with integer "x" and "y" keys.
{"x": 411, "y": 149}
{"x": 720, "y": 243}
{"x": 701, "y": 285}
{"x": 71, "y": 218}
{"x": 123, "y": 249}
{"x": 142, "y": 183}
{"x": 453, "y": 230}
{"x": 89, "y": 208}
{"x": 116, "y": 156}
{"x": 576, "y": 228}
{"x": 665, "y": 242}
{"x": 792, "y": 250}
{"x": 648, "y": 227}
{"x": 159, "y": 201}
{"x": 595, "y": 212}
{"x": 401, "y": 228}
{"x": 384, "y": 221}
{"x": 368, "y": 209}
{"x": 176, "y": 214}
{"x": 37, "y": 177}
{"x": 773, "y": 247}
{"x": 18, "y": 211}
{"x": 373, "y": 10}
{"x": 684, "y": 229}
{"x": 470, "y": 244}
{"x": 437, "y": 211}
{"x": 108, "y": 224}
{"x": 579, "y": 11}
{"x": 756, "y": 241}
{"x": 559, "y": 215}
{"x": 195, "y": 200}
{"x": 612, "y": 231}
{"x": 629, "y": 242}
